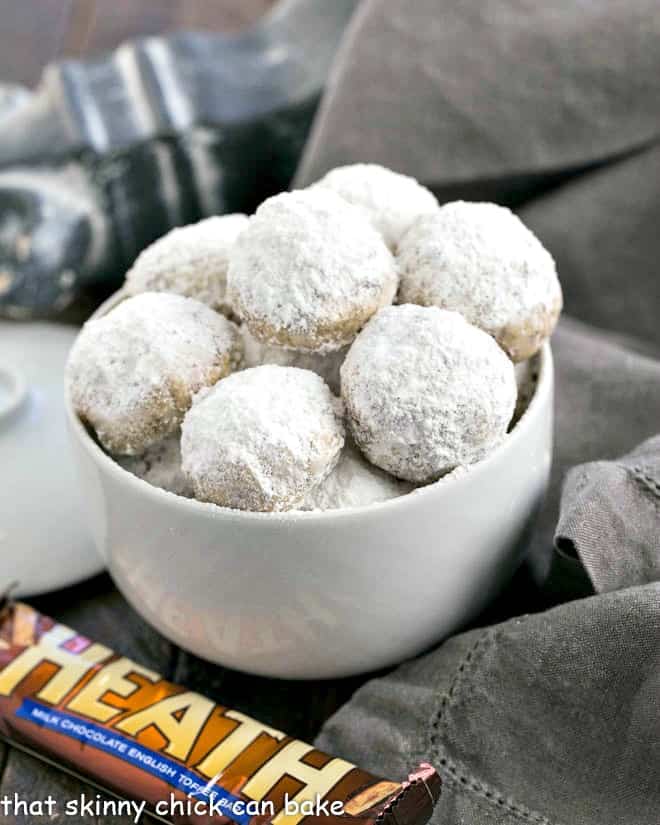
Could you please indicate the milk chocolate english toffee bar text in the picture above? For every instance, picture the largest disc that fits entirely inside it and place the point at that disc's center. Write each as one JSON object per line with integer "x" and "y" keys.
{"x": 96, "y": 713}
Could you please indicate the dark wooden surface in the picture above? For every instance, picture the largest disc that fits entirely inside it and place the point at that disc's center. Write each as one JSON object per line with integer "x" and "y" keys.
{"x": 32, "y": 34}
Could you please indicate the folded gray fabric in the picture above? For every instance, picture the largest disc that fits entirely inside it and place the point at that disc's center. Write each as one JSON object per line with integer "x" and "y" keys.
{"x": 508, "y": 93}
{"x": 608, "y": 400}
{"x": 610, "y": 519}
{"x": 552, "y": 719}
{"x": 602, "y": 228}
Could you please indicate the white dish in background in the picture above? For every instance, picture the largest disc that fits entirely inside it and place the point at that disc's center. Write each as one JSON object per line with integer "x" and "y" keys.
{"x": 45, "y": 542}
{"x": 320, "y": 594}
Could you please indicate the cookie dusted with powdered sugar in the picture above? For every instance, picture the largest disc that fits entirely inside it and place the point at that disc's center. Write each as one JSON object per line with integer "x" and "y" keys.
{"x": 309, "y": 271}
{"x": 262, "y": 439}
{"x": 426, "y": 392}
{"x": 133, "y": 372}
{"x": 160, "y": 466}
{"x": 190, "y": 260}
{"x": 325, "y": 364}
{"x": 354, "y": 482}
{"x": 479, "y": 259}
{"x": 391, "y": 201}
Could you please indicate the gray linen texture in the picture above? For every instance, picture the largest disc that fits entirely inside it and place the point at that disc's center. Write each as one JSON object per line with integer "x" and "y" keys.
{"x": 610, "y": 518}
{"x": 550, "y": 718}
{"x": 551, "y": 107}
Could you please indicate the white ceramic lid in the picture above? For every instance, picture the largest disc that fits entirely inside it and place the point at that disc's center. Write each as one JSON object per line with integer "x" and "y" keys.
{"x": 44, "y": 541}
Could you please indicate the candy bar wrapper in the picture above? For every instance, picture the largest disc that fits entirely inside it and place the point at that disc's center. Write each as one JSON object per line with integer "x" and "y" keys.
{"x": 120, "y": 725}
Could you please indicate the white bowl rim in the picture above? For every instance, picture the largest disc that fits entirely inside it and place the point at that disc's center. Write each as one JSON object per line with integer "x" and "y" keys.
{"x": 289, "y": 517}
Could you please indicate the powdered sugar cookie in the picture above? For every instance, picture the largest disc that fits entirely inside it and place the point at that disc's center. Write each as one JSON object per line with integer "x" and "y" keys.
{"x": 325, "y": 364}
{"x": 309, "y": 271}
{"x": 479, "y": 259}
{"x": 190, "y": 260}
{"x": 160, "y": 465}
{"x": 354, "y": 483}
{"x": 426, "y": 392}
{"x": 391, "y": 201}
{"x": 133, "y": 372}
{"x": 262, "y": 438}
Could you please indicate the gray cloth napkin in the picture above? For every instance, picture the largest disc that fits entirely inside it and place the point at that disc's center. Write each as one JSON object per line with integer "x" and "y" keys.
{"x": 610, "y": 520}
{"x": 550, "y": 719}
{"x": 551, "y": 107}
{"x": 496, "y": 91}
{"x": 607, "y": 401}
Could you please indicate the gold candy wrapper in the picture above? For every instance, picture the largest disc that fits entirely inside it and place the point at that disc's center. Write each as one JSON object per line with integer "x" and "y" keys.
{"x": 107, "y": 719}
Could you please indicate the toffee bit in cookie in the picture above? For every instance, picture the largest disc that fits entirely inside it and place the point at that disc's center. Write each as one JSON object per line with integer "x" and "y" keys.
{"x": 479, "y": 259}
{"x": 309, "y": 271}
{"x": 391, "y": 201}
{"x": 191, "y": 261}
{"x": 426, "y": 392}
{"x": 262, "y": 439}
{"x": 133, "y": 372}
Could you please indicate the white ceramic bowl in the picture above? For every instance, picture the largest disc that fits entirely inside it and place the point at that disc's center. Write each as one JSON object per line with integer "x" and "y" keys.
{"x": 312, "y": 595}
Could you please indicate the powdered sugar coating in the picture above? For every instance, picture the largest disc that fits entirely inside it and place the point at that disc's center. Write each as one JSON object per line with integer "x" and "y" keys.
{"x": 160, "y": 465}
{"x": 262, "y": 439}
{"x": 426, "y": 392}
{"x": 190, "y": 260}
{"x": 325, "y": 364}
{"x": 309, "y": 271}
{"x": 133, "y": 372}
{"x": 354, "y": 483}
{"x": 391, "y": 201}
{"x": 479, "y": 259}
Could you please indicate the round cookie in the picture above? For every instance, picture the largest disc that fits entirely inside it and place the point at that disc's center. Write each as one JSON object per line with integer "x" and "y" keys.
{"x": 354, "y": 483}
{"x": 190, "y": 260}
{"x": 309, "y": 271}
{"x": 133, "y": 372}
{"x": 262, "y": 439}
{"x": 325, "y": 364}
{"x": 391, "y": 201}
{"x": 479, "y": 259}
{"x": 426, "y": 392}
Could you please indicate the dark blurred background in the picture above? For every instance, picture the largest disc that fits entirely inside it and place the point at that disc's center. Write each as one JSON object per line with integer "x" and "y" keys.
{"x": 36, "y": 32}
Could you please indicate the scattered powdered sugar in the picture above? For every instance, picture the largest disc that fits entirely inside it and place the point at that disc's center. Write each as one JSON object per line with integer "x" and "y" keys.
{"x": 354, "y": 483}
{"x": 425, "y": 392}
{"x": 160, "y": 466}
{"x": 479, "y": 259}
{"x": 133, "y": 372}
{"x": 190, "y": 260}
{"x": 325, "y": 364}
{"x": 262, "y": 438}
{"x": 309, "y": 271}
{"x": 391, "y": 201}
